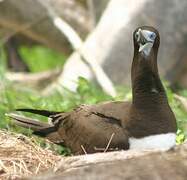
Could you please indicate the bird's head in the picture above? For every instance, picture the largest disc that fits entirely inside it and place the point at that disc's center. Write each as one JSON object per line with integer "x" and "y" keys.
{"x": 146, "y": 41}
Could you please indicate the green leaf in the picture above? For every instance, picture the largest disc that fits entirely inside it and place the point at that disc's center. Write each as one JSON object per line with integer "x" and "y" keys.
{"x": 40, "y": 58}
{"x": 180, "y": 137}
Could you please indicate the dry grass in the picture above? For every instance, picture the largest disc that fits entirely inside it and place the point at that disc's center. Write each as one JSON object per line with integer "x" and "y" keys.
{"x": 20, "y": 156}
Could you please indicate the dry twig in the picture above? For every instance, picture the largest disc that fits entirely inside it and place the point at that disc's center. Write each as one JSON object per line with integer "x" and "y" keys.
{"x": 84, "y": 150}
{"x": 109, "y": 142}
{"x": 21, "y": 156}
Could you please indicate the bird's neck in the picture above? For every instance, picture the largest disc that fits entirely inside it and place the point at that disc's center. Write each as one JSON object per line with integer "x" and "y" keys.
{"x": 146, "y": 84}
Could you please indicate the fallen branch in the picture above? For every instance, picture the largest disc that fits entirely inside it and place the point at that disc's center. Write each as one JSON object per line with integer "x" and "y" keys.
{"x": 77, "y": 44}
{"x": 34, "y": 79}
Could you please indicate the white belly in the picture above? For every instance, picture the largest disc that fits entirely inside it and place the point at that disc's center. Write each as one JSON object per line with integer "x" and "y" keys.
{"x": 160, "y": 141}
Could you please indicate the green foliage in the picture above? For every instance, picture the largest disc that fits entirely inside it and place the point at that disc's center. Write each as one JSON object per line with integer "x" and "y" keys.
{"x": 40, "y": 58}
{"x": 180, "y": 137}
{"x": 179, "y": 112}
{"x": 89, "y": 93}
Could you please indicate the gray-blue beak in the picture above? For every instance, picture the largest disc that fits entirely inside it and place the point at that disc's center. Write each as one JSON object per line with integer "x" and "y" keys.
{"x": 145, "y": 39}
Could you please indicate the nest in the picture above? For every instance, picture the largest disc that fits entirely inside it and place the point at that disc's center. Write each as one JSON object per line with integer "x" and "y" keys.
{"x": 20, "y": 156}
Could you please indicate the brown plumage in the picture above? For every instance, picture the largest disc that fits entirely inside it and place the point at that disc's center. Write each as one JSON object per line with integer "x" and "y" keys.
{"x": 91, "y": 127}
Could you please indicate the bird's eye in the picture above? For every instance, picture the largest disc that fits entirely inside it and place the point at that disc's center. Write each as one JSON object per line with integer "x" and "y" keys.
{"x": 152, "y": 36}
{"x": 137, "y": 36}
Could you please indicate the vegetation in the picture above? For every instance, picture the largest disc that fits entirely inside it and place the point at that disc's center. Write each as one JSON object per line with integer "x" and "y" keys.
{"x": 14, "y": 96}
{"x": 40, "y": 58}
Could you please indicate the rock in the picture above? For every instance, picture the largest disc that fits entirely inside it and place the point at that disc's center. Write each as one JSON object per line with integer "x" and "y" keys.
{"x": 123, "y": 165}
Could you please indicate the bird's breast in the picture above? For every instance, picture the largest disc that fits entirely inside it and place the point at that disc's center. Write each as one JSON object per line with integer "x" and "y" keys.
{"x": 158, "y": 142}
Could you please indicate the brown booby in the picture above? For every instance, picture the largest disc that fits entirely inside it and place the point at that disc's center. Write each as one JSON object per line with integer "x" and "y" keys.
{"x": 145, "y": 123}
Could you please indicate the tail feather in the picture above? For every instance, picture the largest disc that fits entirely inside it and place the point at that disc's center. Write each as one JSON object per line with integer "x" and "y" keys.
{"x": 39, "y": 112}
{"x": 39, "y": 128}
{"x": 26, "y": 122}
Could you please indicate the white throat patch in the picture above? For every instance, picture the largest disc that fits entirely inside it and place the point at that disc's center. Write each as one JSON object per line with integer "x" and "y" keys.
{"x": 159, "y": 142}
